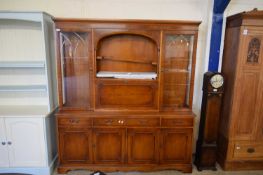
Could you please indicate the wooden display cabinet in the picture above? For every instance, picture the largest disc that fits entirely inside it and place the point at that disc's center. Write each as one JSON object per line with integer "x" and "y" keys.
{"x": 125, "y": 94}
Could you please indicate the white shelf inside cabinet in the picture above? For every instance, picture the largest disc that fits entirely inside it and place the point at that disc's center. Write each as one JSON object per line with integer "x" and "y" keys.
{"x": 23, "y": 88}
{"x": 23, "y": 111}
{"x": 22, "y": 64}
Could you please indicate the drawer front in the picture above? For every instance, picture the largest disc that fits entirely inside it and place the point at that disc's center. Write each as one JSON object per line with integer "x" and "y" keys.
{"x": 146, "y": 122}
{"x": 174, "y": 122}
{"x": 126, "y": 95}
{"x": 126, "y": 122}
{"x": 247, "y": 151}
{"x": 108, "y": 122}
{"x": 74, "y": 122}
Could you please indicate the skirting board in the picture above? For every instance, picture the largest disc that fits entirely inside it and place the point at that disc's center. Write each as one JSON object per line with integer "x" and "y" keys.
{"x": 32, "y": 170}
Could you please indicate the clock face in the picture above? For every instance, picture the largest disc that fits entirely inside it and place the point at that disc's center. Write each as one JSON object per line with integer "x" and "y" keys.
{"x": 217, "y": 81}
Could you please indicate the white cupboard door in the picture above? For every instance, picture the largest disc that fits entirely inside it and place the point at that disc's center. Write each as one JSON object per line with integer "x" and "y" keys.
{"x": 25, "y": 137}
{"x": 4, "y": 161}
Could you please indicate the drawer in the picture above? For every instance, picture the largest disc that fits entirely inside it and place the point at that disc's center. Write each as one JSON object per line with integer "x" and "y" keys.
{"x": 143, "y": 122}
{"x": 108, "y": 122}
{"x": 126, "y": 122}
{"x": 73, "y": 122}
{"x": 174, "y": 122}
{"x": 247, "y": 150}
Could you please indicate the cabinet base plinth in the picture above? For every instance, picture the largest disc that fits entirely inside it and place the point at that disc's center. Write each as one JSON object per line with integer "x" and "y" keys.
{"x": 241, "y": 165}
{"x": 185, "y": 168}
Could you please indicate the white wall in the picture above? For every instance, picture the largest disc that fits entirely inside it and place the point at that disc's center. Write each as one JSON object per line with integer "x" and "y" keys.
{"x": 200, "y": 10}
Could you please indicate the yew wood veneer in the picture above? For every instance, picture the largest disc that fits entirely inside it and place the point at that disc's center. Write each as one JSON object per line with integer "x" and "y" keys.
{"x": 131, "y": 123}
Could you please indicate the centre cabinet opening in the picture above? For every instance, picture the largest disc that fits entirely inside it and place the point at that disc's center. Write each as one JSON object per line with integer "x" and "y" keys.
{"x": 127, "y": 71}
{"x": 129, "y": 56}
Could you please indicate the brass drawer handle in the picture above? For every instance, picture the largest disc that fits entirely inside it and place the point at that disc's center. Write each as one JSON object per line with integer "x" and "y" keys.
{"x": 109, "y": 122}
{"x": 250, "y": 150}
{"x": 73, "y": 121}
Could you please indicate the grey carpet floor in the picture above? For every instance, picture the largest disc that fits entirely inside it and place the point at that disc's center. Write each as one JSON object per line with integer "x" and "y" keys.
{"x": 195, "y": 172}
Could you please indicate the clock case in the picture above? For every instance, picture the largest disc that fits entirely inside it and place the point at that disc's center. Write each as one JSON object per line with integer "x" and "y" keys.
{"x": 206, "y": 147}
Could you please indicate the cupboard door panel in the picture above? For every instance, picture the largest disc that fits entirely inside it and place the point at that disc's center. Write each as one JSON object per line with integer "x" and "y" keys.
{"x": 75, "y": 146}
{"x": 4, "y": 160}
{"x": 143, "y": 146}
{"x": 109, "y": 145}
{"x": 247, "y": 105}
{"x": 26, "y": 142}
{"x": 176, "y": 146}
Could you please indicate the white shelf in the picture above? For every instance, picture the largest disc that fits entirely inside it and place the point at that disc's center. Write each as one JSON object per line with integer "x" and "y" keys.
{"x": 22, "y": 88}
{"x": 24, "y": 64}
{"x": 127, "y": 75}
{"x": 23, "y": 111}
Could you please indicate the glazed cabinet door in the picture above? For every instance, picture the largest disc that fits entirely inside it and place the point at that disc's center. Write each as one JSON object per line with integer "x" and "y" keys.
{"x": 25, "y": 141}
{"x": 4, "y": 160}
{"x": 74, "y": 69}
{"x": 143, "y": 146}
{"x": 248, "y": 94}
{"x": 177, "y": 70}
{"x": 109, "y": 145}
{"x": 75, "y": 146}
{"x": 176, "y": 146}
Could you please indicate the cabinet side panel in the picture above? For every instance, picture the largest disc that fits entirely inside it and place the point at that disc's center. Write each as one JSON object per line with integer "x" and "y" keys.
{"x": 229, "y": 66}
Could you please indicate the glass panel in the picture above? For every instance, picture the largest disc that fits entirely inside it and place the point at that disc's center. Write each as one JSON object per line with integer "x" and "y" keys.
{"x": 177, "y": 70}
{"x": 75, "y": 68}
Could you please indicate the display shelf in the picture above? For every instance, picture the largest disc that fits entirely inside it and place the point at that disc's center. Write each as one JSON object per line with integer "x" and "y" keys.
{"x": 127, "y": 75}
{"x": 22, "y": 64}
{"x": 22, "y": 88}
{"x": 23, "y": 111}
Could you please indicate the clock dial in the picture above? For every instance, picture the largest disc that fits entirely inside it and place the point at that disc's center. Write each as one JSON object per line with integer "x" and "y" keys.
{"x": 217, "y": 81}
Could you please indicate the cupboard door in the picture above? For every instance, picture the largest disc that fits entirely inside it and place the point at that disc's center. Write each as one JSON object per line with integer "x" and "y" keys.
{"x": 247, "y": 100}
{"x": 177, "y": 70}
{"x": 176, "y": 146}
{"x": 4, "y": 161}
{"x": 26, "y": 142}
{"x": 143, "y": 146}
{"x": 75, "y": 146}
{"x": 109, "y": 145}
{"x": 75, "y": 68}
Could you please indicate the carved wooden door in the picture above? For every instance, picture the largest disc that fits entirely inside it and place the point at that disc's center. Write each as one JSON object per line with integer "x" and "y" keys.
{"x": 248, "y": 86}
{"x": 109, "y": 145}
{"x": 143, "y": 146}
{"x": 176, "y": 146}
{"x": 75, "y": 146}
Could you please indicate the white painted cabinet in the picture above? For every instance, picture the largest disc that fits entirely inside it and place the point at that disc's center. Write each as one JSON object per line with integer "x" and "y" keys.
{"x": 28, "y": 93}
{"x": 25, "y": 142}
{"x": 4, "y": 160}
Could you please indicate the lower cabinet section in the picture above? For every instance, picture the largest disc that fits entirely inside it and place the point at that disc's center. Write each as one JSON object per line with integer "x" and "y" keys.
{"x": 117, "y": 146}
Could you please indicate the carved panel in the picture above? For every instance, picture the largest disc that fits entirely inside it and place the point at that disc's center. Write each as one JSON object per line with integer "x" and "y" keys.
{"x": 253, "y": 51}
